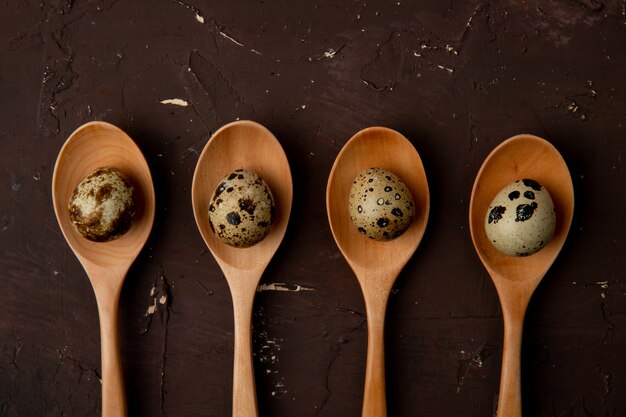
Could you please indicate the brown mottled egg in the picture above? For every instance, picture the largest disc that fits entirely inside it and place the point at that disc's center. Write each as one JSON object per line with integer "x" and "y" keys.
{"x": 102, "y": 207}
{"x": 241, "y": 212}
{"x": 521, "y": 218}
{"x": 380, "y": 206}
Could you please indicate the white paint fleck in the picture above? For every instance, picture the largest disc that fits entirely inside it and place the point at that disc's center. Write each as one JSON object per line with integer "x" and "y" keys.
{"x": 281, "y": 286}
{"x": 450, "y": 49}
{"x": 449, "y": 70}
{"x": 199, "y": 18}
{"x": 175, "y": 102}
{"x": 163, "y": 299}
{"x": 330, "y": 54}
{"x": 255, "y": 51}
{"x": 224, "y": 35}
{"x": 152, "y": 308}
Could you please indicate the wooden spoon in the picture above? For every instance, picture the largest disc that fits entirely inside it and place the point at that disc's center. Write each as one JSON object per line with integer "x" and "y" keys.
{"x": 248, "y": 145}
{"x": 91, "y": 146}
{"x": 376, "y": 264}
{"x": 515, "y": 278}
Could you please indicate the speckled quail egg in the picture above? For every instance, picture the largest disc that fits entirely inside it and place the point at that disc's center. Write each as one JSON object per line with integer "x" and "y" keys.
{"x": 521, "y": 218}
{"x": 380, "y": 205}
{"x": 241, "y": 212}
{"x": 102, "y": 207}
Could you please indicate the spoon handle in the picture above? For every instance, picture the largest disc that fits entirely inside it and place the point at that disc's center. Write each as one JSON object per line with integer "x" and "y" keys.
{"x": 510, "y": 397}
{"x": 113, "y": 395}
{"x": 374, "y": 398}
{"x": 244, "y": 391}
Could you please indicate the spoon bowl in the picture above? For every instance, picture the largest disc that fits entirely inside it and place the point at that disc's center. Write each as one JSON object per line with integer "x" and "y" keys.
{"x": 91, "y": 146}
{"x": 248, "y": 145}
{"x": 376, "y": 264}
{"x": 515, "y": 278}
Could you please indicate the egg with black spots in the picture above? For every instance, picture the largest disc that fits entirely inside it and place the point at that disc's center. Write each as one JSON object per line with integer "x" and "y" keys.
{"x": 380, "y": 204}
{"x": 241, "y": 211}
{"x": 521, "y": 218}
{"x": 102, "y": 207}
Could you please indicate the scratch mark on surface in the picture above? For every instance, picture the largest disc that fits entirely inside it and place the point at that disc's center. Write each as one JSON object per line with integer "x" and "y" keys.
{"x": 606, "y": 379}
{"x": 16, "y": 352}
{"x": 281, "y": 286}
{"x": 198, "y": 15}
{"x": 390, "y": 83}
{"x": 448, "y": 48}
{"x": 377, "y": 88}
{"x": 165, "y": 299}
{"x": 206, "y": 290}
{"x": 175, "y": 102}
{"x": 469, "y": 360}
{"x": 479, "y": 9}
{"x": 606, "y": 314}
{"x": 329, "y": 54}
{"x": 344, "y": 340}
{"x": 230, "y": 38}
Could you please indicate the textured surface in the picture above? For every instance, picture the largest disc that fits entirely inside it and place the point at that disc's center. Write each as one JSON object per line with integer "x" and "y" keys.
{"x": 455, "y": 77}
{"x": 242, "y": 209}
{"x": 521, "y": 218}
{"x": 102, "y": 206}
{"x": 380, "y": 205}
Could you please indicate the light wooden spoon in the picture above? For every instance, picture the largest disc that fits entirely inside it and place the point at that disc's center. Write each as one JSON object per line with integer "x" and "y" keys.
{"x": 515, "y": 278}
{"x": 94, "y": 145}
{"x": 248, "y": 145}
{"x": 376, "y": 264}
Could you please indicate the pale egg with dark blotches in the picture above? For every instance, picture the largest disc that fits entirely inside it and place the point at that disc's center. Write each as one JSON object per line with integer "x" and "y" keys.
{"x": 521, "y": 218}
{"x": 102, "y": 207}
{"x": 380, "y": 204}
{"x": 241, "y": 212}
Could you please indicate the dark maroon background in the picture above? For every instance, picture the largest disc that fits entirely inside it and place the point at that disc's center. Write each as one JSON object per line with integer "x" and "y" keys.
{"x": 455, "y": 77}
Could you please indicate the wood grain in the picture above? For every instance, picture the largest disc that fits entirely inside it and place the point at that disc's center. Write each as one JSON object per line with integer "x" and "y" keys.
{"x": 94, "y": 145}
{"x": 515, "y": 278}
{"x": 376, "y": 264}
{"x": 248, "y": 145}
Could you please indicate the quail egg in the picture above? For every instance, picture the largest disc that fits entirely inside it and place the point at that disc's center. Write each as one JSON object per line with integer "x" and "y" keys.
{"x": 241, "y": 211}
{"x": 380, "y": 206}
{"x": 521, "y": 218}
{"x": 102, "y": 206}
